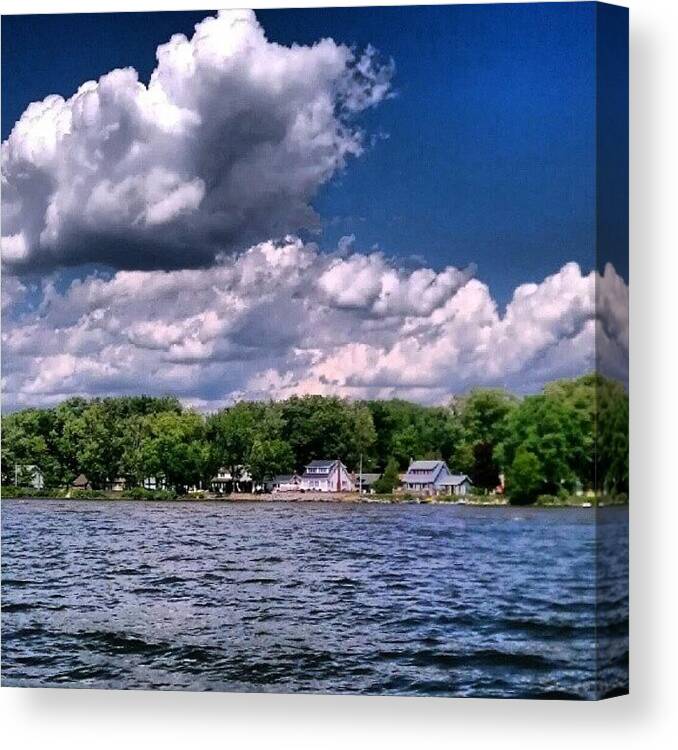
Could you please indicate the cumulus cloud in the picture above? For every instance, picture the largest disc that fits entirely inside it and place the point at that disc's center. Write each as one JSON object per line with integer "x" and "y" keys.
{"x": 224, "y": 147}
{"x": 282, "y": 318}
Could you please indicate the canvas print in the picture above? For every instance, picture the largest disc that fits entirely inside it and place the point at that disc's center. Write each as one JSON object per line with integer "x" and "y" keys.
{"x": 315, "y": 350}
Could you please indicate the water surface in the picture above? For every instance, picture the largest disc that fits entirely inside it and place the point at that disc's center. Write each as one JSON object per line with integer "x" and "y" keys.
{"x": 321, "y": 597}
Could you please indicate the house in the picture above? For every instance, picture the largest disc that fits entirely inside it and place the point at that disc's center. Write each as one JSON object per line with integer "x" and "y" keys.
{"x": 365, "y": 482}
{"x": 119, "y": 484}
{"x": 81, "y": 483}
{"x": 431, "y": 477}
{"x": 457, "y": 484}
{"x": 29, "y": 475}
{"x": 224, "y": 481}
{"x": 284, "y": 483}
{"x": 326, "y": 476}
{"x": 154, "y": 483}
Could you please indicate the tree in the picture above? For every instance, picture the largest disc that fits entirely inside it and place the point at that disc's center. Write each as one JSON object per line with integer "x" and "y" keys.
{"x": 484, "y": 415}
{"x": 364, "y": 437}
{"x": 389, "y": 480}
{"x": 232, "y": 432}
{"x": 612, "y": 438}
{"x": 269, "y": 457}
{"x": 318, "y": 427}
{"x": 94, "y": 438}
{"x": 175, "y": 447}
{"x": 551, "y": 430}
{"x": 25, "y": 441}
{"x": 523, "y": 479}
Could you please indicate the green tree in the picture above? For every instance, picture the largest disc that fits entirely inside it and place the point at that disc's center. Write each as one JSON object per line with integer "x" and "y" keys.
{"x": 612, "y": 438}
{"x": 389, "y": 480}
{"x": 523, "y": 479}
{"x": 484, "y": 415}
{"x": 25, "y": 441}
{"x": 232, "y": 432}
{"x": 175, "y": 447}
{"x": 269, "y": 457}
{"x": 319, "y": 427}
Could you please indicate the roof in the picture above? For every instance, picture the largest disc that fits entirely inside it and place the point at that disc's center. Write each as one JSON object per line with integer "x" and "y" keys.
{"x": 369, "y": 478}
{"x": 428, "y": 472}
{"x": 454, "y": 479}
{"x": 283, "y": 478}
{"x": 322, "y": 463}
{"x": 424, "y": 465}
{"x": 81, "y": 479}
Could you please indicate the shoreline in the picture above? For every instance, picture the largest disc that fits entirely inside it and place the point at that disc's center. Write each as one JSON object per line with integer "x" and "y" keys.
{"x": 331, "y": 497}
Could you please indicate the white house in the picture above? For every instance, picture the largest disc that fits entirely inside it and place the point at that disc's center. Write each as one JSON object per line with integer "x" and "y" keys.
{"x": 154, "y": 483}
{"x": 434, "y": 477}
{"x": 225, "y": 482}
{"x": 284, "y": 483}
{"x": 118, "y": 484}
{"x": 29, "y": 475}
{"x": 327, "y": 476}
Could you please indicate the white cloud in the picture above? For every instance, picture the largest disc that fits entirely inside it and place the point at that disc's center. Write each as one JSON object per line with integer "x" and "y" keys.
{"x": 283, "y": 318}
{"x": 224, "y": 147}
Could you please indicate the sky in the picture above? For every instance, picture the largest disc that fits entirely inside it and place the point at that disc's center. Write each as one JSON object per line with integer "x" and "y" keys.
{"x": 372, "y": 202}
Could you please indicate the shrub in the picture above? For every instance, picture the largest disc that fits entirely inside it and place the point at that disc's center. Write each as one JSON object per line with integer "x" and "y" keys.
{"x": 78, "y": 494}
{"x": 549, "y": 500}
{"x": 389, "y": 480}
{"x": 9, "y": 491}
{"x": 141, "y": 493}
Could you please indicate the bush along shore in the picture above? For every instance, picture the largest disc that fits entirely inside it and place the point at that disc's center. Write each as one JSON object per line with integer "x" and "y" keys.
{"x": 138, "y": 493}
{"x": 567, "y": 445}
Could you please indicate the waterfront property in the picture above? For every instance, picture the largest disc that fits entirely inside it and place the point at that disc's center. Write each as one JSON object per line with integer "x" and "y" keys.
{"x": 118, "y": 484}
{"x": 457, "y": 484}
{"x": 365, "y": 482}
{"x": 327, "y": 476}
{"x": 155, "y": 483}
{"x": 29, "y": 475}
{"x": 226, "y": 481}
{"x": 435, "y": 477}
{"x": 81, "y": 482}
{"x": 284, "y": 483}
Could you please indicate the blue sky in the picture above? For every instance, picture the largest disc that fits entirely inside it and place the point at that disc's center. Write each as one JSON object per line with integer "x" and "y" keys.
{"x": 490, "y": 151}
{"x": 181, "y": 225}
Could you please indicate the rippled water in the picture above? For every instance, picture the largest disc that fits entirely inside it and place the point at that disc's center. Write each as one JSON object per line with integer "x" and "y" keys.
{"x": 322, "y": 597}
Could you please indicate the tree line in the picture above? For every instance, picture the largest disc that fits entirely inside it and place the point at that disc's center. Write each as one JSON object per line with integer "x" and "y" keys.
{"x": 572, "y": 435}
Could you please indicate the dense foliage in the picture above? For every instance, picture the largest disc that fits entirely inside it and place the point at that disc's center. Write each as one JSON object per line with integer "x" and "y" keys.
{"x": 572, "y": 435}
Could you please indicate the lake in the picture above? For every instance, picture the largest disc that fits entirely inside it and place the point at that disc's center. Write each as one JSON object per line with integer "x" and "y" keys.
{"x": 427, "y": 600}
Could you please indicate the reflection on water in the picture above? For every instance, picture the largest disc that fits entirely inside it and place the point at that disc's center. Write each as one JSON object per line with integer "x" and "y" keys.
{"x": 419, "y": 600}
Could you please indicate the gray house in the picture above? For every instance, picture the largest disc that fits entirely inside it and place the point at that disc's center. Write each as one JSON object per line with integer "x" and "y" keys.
{"x": 435, "y": 477}
{"x": 365, "y": 483}
{"x": 457, "y": 484}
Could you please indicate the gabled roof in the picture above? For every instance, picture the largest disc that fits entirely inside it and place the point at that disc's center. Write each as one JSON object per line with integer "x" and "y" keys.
{"x": 80, "y": 481}
{"x": 321, "y": 463}
{"x": 454, "y": 479}
{"x": 425, "y": 465}
{"x": 321, "y": 467}
{"x": 285, "y": 478}
{"x": 427, "y": 472}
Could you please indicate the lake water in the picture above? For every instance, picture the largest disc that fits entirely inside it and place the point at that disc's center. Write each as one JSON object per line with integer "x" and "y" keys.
{"x": 321, "y": 597}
